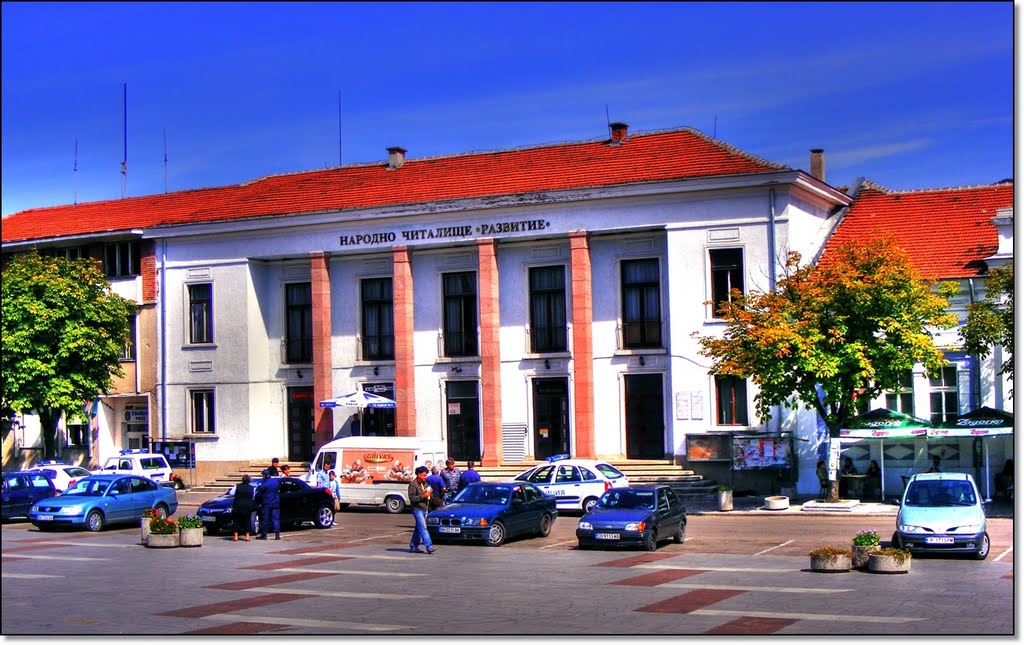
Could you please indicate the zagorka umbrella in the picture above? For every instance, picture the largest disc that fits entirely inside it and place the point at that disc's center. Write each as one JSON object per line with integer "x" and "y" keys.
{"x": 360, "y": 400}
{"x": 979, "y": 423}
{"x": 881, "y": 424}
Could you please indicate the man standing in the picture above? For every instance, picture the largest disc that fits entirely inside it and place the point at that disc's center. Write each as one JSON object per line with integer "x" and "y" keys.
{"x": 286, "y": 470}
{"x": 450, "y": 476}
{"x": 357, "y": 426}
{"x": 419, "y": 500}
{"x": 438, "y": 493}
{"x": 273, "y": 467}
{"x": 268, "y": 496}
{"x": 469, "y": 476}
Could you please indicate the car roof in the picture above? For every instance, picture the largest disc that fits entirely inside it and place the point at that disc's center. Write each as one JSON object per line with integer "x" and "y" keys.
{"x": 941, "y": 477}
{"x": 577, "y": 462}
{"x": 26, "y": 472}
{"x": 652, "y": 487}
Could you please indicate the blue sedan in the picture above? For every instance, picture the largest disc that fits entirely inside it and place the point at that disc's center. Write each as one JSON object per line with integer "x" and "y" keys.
{"x": 634, "y": 516}
{"x": 494, "y": 512}
{"x": 98, "y": 500}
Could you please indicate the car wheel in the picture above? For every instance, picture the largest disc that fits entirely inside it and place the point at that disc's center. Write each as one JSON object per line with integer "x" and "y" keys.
{"x": 496, "y": 536}
{"x": 895, "y": 541}
{"x": 44, "y": 527}
{"x": 983, "y": 548}
{"x": 589, "y": 504}
{"x": 394, "y": 504}
{"x": 650, "y": 541}
{"x": 324, "y": 517}
{"x": 583, "y": 547}
{"x": 680, "y": 535}
{"x": 545, "y": 526}
{"x": 162, "y": 511}
{"x": 94, "y": 521}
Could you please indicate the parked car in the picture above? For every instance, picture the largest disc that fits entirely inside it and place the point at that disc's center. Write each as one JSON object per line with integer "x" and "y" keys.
{"x": 493, "y": 512}
{"x": 23, "y": 489}
{"x": 577, "y": 484}
{"x": 942, "y": 513}
{"x": 300, "y": 503}
{"x": 99, "y": 500}
{"x": 63, "y": 475}
{"x": 633, "y": 516}
{"x": 138, "y": 462}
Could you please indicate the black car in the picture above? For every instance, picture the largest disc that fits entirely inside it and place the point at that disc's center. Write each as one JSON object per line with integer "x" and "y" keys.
{"x": 634, "y": 516}
{"x": 23, "y": 489}
{"x": 300, "y": 503}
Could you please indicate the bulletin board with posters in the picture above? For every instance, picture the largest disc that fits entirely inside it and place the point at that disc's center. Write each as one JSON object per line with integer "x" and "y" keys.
{"x": 709, "y": 447}
{"x": 751, "y": 452}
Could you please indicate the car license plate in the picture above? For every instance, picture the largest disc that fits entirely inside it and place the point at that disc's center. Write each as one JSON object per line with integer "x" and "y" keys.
{"x": 938, "y": 540}
{"x": 44, "y": 518}
{"x": 449, "y": 529}
{"x": 606, "y": 536}
{"x": 207, "y": 518}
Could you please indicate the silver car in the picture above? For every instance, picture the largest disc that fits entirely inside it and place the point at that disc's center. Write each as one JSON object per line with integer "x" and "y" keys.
{"x": 942, "y": 513}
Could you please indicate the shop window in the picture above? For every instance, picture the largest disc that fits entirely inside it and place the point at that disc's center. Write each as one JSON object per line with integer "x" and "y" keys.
{"x": 641, "y": 304}
{"x": 377, "y": 319}
{"x": 547, "y": 309}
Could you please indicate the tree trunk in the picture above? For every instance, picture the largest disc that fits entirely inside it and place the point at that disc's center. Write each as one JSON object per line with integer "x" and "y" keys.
{"x": 833, "y": 492}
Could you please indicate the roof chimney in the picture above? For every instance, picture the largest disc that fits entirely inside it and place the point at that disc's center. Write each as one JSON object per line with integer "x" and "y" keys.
{"x": 818, "y": 164}
{"x": 396, "y": 157}
{"x": 619, "y": 132}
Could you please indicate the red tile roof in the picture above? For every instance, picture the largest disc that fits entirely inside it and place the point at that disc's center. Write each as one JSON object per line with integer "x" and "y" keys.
{"x": 946, "y": 231}
{"x": 651, "y": 157}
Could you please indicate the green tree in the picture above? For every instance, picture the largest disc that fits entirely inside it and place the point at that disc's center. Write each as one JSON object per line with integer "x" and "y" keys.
{"x": 990, "y": 321}
{"x": 63, "y": 331}
{"x": 849, "y": 327}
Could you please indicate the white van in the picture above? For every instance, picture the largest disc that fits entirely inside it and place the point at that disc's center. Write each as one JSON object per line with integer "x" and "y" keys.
{"x": 376, "y": 470}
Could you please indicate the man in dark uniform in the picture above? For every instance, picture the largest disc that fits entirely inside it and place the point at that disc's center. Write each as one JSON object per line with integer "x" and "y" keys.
{"x": 268, "y": 496}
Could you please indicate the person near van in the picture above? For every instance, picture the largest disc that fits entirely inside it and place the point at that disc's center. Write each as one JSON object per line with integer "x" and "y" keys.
{"x": 268, "y": 496}
{"x": 241, "y": 507}
{"x": 356, "y": 426}
{"x": 323, "y": 478}
{"x": 468, "y": 476}
{"x": 334, "y": 486}
{"x": 438, "y": 491}
{"x": 273, "y": 467}
{"x": 451, "y": 476}
{"x": 419, "y": 500}
{"x": 286, "y": 470}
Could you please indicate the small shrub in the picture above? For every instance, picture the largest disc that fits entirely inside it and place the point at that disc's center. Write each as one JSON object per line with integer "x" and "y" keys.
{"x": 190, "y": 522}
{"x": 830, "y": 552}
{"x": 899, "y": 555}
{"x": 151, "y": 514}
{"x": 163, "y": 526}
{"x": 723, "y": 488}
{"x": 866, "y": 538}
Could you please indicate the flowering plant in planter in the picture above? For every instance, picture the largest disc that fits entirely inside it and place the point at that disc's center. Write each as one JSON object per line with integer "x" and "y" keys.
{"x": 830, "y": 552}
{"x": 190, "y": 522}
{"x": 177, "y": 481}
{"x": 150, "y": 514}
{"x": 866, "y": 538}
{"x": 163, "y": 526}
{"x": 899, "y": 555}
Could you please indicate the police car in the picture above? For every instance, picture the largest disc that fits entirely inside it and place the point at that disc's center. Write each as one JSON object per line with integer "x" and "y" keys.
{"x": 63, "y": 475}
{"x": 138, "y": 462}
{"x": 577, "y": 484}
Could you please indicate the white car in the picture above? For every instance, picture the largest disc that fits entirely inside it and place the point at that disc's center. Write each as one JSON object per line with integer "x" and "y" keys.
{"x": 577, "y": 484}
{"x": 138, "y": 462}
{"x": 63, "y": 475}
{"x": 942, "y": 513}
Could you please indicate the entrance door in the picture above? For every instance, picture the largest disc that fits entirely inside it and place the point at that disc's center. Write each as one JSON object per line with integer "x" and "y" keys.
{"x": 301, "y": 435}
{"x": 379, "y": 422}
{"x": 645, "y": 417}
{"x": 463, "y": 407}
{"x": 551, "y": 417}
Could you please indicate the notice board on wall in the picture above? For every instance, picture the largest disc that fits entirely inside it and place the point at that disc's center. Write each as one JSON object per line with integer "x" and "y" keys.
{"x": 709, "y": 447}
{"x": 751, "y": 452}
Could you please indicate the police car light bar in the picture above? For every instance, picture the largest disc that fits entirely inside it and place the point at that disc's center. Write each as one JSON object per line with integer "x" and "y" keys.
{"x": 554, "y": 458}
{"x": 128, "y": 451}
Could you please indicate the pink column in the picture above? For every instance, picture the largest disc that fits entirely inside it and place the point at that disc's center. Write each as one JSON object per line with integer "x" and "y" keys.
{"x": 405, "y": 375}
{"x": 323, "y": 382}
{"x": 490, "y": 352}
{"x": 582, "y": 344}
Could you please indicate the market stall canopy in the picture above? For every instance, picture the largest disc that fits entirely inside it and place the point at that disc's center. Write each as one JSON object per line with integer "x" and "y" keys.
{"x": 358, "y": 399}
{"x": 981, "y": 422}
{"x": 885, "y": 424}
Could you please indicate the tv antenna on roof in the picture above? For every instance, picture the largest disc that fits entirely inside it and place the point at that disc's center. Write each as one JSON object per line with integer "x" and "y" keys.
{"x": 339, "y": 127}
{"x": 607, "y": 120}
{"x": 165, "y": 161}
{"x": 75, "y": 184}
{"x": 124, "y": 160}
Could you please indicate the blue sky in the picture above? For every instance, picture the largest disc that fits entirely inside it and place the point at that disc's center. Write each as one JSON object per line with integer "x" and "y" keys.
{"x": 913, "y": 95}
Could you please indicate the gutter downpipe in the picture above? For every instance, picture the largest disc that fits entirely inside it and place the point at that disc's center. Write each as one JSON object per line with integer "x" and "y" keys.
{"x": 771, "y": 279}
{"x": 163, "y": 340}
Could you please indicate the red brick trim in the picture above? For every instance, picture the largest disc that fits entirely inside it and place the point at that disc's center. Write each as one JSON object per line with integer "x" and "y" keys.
{"x": 405, "y": 374}
{"x": 582, "y": 344}
{"x": 490, "y": 352}
{"x": 148, "y": 268}
{"x": 323, "y": 384}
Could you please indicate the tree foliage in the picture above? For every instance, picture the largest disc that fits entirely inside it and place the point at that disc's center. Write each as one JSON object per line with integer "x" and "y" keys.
{"x": 830, "y": 333}
{"x": 63, "y": 332}
{"x": 990, "y": 321}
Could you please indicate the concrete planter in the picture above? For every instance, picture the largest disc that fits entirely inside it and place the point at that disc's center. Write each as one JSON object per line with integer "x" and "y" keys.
{"x": 831, "y": 563}
{"x": 860, "y": 555}
{"x": 725, "y": 500}
{"x": 776, "y": 503}
{"x": 145, "y": 530}
{"x": 163, "y": 541}
{"x": 190, "y": 537}
{"x": 882, "y": 563}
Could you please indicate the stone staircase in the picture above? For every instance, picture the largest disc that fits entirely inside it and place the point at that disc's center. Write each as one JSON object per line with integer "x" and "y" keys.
{"x": 685, "y": 483}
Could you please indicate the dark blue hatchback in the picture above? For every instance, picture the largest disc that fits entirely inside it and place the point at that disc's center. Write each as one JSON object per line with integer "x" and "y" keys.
{"x": 633, "y": 516}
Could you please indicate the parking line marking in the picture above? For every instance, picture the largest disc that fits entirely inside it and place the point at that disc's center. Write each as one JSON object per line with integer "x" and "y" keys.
{"x": 29, "y": 575}
{"x": 727, "y": 569}
{"x": 305, "y": 622}
{"x": 558, "y": 544}
{"x": 772, "y": 548}
{"x": 844, "y": 618}
{"x": 683, "y": 585}
{"x": 337, "y": 594}
{"x": 69, "y": 558}
{"x": 92, "y": 544}
{"x": 1003, "y": 554}
{"x": 396, "y": 574}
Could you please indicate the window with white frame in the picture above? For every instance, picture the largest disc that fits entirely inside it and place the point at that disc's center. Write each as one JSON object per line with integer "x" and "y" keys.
{"x": 726, "y": 275}
{"x": 944, "y": 395}
{"x": 377, "y": 319}
{"x": 731, "y": 400}
{"x": 460, "y": 322}
{"x": 547, "y": 309}
{"x": 299, "y": 313}
{"x": 902, "y": 399}
{"x": 641, "y": 304}
{"x": 200, "y": 313}
{"x": 201, "y": 412}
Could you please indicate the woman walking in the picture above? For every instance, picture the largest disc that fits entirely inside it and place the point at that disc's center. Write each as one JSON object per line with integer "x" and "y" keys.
{"x": 241, "y": 507}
